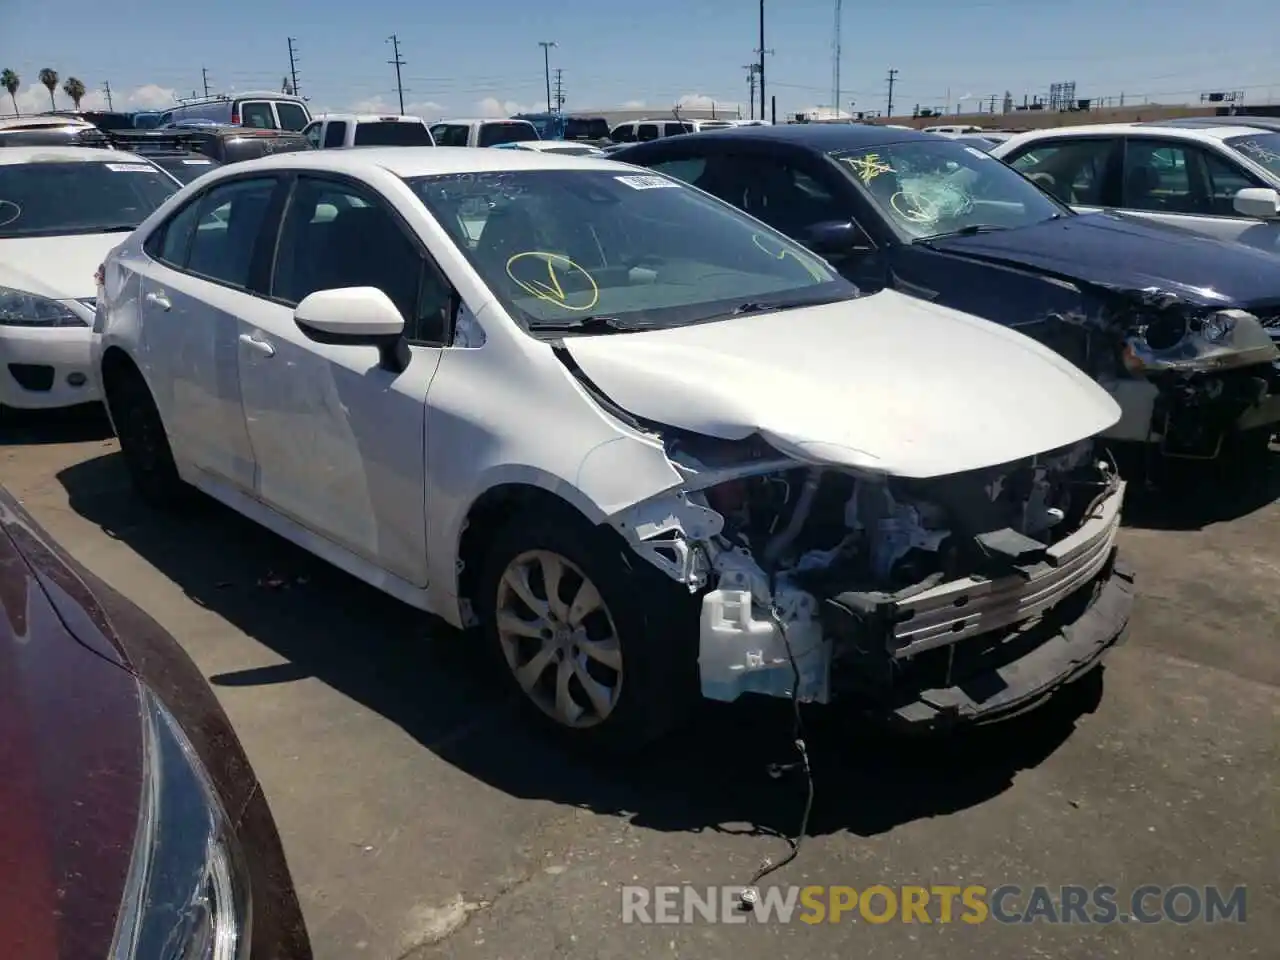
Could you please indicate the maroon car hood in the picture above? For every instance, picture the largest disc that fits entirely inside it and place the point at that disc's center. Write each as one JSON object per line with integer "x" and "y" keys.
{"x": 70, "y": 765}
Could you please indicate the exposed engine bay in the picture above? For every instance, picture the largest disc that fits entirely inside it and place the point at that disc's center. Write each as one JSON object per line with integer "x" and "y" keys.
{"x": 850, "y": 582}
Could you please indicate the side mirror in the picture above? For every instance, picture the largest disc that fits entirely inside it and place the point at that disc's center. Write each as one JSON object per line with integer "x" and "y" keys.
{"x": 1260, "y": 202}
{"x": 353, "y": 317}
{"x": 835, "y": 237}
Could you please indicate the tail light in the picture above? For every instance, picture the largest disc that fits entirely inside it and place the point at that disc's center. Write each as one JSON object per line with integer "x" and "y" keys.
{"x": 100, "y": 277}
{"x": 235, "y": 117}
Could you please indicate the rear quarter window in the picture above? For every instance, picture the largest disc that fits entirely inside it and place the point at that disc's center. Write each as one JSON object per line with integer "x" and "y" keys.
{"x": 495, "y": 133}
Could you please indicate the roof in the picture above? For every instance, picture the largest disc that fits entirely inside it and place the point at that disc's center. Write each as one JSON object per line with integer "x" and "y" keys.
{"x": 56, "y": 154}
{"x": 821, "y": 136}
{"x": 482, "y": 120}
{"x": 369, "y": 117}
{"x": 427, "y": 161}
{"x": 41, "y": 122}
{"x": 1202, "y": 134}
{"x": 1253, "y": 123}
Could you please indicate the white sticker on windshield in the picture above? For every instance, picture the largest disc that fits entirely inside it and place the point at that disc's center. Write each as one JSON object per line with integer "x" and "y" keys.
{"x": 977, "y": 153}
{"x": 197, "y": 161}
{"x": 129, "y": 167}
{"x": 646, "y": 182}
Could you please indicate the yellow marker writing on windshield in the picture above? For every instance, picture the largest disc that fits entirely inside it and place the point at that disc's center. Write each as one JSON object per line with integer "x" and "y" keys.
{"x": 784, "y": 252}
{"x": 552, "y": 290}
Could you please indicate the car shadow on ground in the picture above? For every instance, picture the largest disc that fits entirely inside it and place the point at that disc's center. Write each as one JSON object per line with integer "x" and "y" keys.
{"x": 1193, "y": 495}
{"x": 426, "y": 678}
{"x": 67, "y": 425}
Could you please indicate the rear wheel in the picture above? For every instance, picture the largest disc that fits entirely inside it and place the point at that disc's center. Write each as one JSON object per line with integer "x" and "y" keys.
{"x": 602, "y": 646}
{"x": 144, "y": 443}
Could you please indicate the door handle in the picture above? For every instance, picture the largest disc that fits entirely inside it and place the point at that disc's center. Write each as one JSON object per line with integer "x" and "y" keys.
{"x": 160, "y": 299}
{"x": 262, "y": 346}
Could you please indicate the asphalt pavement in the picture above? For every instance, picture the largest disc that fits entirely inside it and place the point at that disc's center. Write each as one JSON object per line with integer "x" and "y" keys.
{"x": 423, "y": 818}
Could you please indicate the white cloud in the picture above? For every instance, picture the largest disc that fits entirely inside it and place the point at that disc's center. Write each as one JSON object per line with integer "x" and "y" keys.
{"x": 634, "y": 105}
{"x": 427, "y": 109}
{"x": 35, "y": 99}
{"x": 700, "y": 101}
{"x": 493, "y": 107}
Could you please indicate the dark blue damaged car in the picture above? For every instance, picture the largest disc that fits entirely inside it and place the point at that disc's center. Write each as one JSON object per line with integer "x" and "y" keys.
{"x": 1181, "y": 329}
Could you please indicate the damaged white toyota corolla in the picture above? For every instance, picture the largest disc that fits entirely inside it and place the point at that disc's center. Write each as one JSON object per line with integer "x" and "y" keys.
{"x": 648, "y": 445}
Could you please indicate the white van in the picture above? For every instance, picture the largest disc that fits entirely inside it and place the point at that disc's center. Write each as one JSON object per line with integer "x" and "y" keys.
{"x": 259, "y": 110}
{"x": 954, "y": 129}
{"x": 368, "y": 130}
{"x": 482, "y": 133}
{"x": 641, "y": 131}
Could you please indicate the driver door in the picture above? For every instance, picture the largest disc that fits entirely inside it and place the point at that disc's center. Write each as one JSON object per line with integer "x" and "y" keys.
{"x": 338, "y": 438}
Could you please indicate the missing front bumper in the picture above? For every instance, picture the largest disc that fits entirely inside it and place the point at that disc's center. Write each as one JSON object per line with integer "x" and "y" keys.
{"x": 1006, "y": 641}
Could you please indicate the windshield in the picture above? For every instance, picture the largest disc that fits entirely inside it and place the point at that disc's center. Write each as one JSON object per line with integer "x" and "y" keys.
{"x": 1262, "y": 148}
{"x": 392, "y": 133}
{"x": 56, "y": 198}
{"x": 930, "y": 188}
{"x": 187, "y": 168}
{"x": 558, "y": 246}
{"x": 491, "y": 134}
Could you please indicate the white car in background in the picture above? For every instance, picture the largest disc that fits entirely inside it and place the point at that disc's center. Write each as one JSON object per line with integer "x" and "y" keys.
{"x": 1221, "y": 181}
{"x": 367, "y": 130}
{"x": 647, "y": 444}
{"x": 61, "y": 210}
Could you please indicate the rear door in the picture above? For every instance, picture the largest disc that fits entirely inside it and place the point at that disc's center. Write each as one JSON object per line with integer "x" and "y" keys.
{"x": 197, "y": 281}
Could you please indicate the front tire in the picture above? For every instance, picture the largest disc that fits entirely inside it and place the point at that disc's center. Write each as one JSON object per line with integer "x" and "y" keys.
{"x": 144, "y": 443}
{"x": 600, "y": 644}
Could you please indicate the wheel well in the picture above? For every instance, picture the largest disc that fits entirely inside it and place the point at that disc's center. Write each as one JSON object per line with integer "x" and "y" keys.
{"x": 117, "y": 366}
{"x": 495, "y": 508}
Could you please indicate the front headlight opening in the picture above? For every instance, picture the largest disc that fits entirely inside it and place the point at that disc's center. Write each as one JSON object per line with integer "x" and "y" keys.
{"x": 188, "y": 894}
{"x": 21, "y": 309}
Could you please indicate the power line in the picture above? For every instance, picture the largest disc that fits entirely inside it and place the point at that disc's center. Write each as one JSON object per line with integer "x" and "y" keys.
{"x": 106, "y": 88}
{"x": 395, "y": 47}
{"x": 293, "y": 66}
{"x": 893, "y": 76}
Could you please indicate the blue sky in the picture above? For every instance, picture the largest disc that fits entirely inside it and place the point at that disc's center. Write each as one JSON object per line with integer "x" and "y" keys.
{"x": 464, "y": 58}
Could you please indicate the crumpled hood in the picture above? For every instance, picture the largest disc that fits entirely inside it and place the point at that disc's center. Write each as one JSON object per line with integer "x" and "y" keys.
{"x": 1125, "y": 253}
{"x": 886, "y": 383}
{"x": 61, "y": 268}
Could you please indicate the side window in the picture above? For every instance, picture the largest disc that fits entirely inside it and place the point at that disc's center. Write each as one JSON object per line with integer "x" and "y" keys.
{"x": 647, "y": 131}
{"x": 171, "y": 243}
{"x": 1164, "y": 177}
{"x": 449, "y": 135}
{"x": 336, "y": 133}
{"x": 1225, "y": 181}
{"x": 1074, "y": 171}
{"x": 674, "y": 129}
{"x": 312, "y": 133}
{"x": 228, "y": 224}
{"x": 359, "y": 244}
{"x": 257, "y": 114}
{"x": 623, "y": 133}
{"x": 688, "y": 170}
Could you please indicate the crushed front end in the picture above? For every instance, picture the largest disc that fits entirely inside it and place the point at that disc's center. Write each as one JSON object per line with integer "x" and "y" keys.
{"x": 926, "y": 602}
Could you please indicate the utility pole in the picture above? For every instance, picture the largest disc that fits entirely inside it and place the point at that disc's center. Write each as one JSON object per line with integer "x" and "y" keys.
{"x": 893, "y": 76}
{"x": 546, "y": 46}
{"x": 394, "y": 40}
{"x": 559, "y": 90}
{"x": 106, "y": 88}
{"x": 762, "y": 51}
{"x": 293, "y": 66}
{"x": 835, "y": 63}
{"x": 204, "y": 78}
{"x": 752, "y": 69}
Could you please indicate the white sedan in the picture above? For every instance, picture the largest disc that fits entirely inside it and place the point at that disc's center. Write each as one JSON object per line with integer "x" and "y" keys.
{"x": 61, "y": 210}
{"x": 649, "y": 446}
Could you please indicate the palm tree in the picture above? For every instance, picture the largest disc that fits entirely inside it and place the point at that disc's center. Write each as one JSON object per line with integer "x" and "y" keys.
{"x": 50, "y": 79}
{"x": 11, "y": 82}
{"x": 74, "y": 89}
